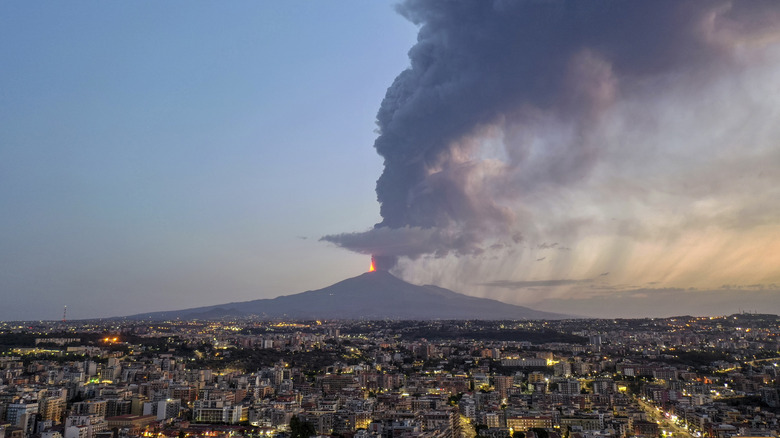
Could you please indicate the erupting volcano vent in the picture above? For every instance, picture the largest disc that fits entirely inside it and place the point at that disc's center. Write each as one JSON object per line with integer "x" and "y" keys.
{"x": 382, "y": 262}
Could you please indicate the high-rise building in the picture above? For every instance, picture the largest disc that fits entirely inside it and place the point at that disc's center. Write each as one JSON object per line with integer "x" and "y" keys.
{"x": 52, "y": 408}
{"x": 502, "y": 385}
{"x": 22, "y": 415}
{"x": 569, "y": 386}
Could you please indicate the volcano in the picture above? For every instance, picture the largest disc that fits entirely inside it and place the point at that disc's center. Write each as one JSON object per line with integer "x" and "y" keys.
{"x": 373, "y": 295}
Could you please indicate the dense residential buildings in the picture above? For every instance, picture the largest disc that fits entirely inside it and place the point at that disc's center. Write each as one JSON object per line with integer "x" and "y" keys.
{"x": 682, "y": 377}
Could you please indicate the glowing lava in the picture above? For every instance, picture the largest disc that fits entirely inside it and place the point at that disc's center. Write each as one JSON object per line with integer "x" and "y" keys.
{"x": 372, "y": 268}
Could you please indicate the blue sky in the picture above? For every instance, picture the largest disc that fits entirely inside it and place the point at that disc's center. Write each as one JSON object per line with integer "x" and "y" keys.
{"x": 161, "y": 154}
{"x": 559, "y": 155}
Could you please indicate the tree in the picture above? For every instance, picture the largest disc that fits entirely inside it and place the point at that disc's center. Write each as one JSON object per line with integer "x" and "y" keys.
{"x": 300, "y": 429}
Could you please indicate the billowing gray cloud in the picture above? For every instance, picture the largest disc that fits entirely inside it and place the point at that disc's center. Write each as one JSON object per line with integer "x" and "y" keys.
{"x": 387, "y": 244}
{"x": 551, "y": 119}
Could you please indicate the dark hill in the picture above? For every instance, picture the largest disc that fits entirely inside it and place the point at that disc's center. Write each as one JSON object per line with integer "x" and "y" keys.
{"x": 373, "y": 295}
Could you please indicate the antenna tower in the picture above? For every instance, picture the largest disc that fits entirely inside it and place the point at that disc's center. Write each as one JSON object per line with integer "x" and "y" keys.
{"x": 64, "y": 314}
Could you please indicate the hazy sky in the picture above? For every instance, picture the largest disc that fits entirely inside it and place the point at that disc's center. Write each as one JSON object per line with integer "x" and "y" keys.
{"x": 163, "y": 155}
{"x": 155, "y": 155}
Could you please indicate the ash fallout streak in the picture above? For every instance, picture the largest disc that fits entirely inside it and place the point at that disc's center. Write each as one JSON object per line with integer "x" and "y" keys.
{"x": 608, "y": 126}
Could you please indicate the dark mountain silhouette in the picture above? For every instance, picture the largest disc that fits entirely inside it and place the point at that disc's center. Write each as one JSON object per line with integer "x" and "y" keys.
{"x": 373, "y": 295}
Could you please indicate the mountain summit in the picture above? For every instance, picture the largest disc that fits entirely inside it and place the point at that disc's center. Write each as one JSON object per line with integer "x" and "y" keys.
{"x": 373, "y": 295}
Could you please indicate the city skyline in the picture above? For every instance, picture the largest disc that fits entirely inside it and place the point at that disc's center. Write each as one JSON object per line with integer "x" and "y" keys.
{"x": 159, "y": 157}
{"x": 689, "y": 377}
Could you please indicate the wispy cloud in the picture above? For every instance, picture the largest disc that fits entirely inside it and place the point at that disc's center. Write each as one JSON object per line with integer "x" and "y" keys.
{"x": 663, "y": 302}
{"x": 508, "y": 284}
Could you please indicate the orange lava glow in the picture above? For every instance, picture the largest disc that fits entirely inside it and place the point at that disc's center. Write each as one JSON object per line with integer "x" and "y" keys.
{"x": 372, "y": 268}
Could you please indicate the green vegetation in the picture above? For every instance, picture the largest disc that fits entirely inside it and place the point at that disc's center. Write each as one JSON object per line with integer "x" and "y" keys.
{"x": 300, "y": 429}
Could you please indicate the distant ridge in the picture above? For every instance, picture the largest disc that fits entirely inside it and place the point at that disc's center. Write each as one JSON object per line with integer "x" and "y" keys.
{"x": 373, "y": 295}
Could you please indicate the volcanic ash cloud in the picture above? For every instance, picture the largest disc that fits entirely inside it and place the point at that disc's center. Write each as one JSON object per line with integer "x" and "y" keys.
{"x": 552, "y": 120}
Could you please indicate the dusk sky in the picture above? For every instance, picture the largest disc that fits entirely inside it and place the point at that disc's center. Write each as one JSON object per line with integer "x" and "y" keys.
{"x": 610, "y": 159}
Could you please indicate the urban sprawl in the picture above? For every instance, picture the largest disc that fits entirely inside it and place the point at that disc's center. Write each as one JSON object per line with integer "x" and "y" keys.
{"x": 712, "y": 377}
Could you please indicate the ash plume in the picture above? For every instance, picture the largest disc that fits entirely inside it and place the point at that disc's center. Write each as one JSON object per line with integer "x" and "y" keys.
{"x": 508, "y": 106}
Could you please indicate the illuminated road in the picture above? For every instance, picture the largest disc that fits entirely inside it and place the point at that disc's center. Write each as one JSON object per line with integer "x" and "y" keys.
{"x": 766, "y": 359}
{"x": 664, "y": 423}
{"x": 466, "y": 428}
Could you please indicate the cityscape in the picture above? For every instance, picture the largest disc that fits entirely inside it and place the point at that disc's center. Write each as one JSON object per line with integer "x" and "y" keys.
{"x": 686, "y": 377}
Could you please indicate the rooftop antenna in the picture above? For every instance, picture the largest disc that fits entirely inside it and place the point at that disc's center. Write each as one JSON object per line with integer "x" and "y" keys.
{"x": 64, "y": 314}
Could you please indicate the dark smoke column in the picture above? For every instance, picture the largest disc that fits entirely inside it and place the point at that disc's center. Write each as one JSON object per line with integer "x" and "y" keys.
{"x": 501, "y": 65}
{"x": 383, "y": 263}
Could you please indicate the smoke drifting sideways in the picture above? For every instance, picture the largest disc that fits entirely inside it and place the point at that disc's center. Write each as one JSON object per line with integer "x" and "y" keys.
{"x": 503, "y": 102}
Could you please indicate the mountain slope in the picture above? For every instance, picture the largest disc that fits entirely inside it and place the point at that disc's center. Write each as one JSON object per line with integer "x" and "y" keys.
{"x": 373, "y": 295}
